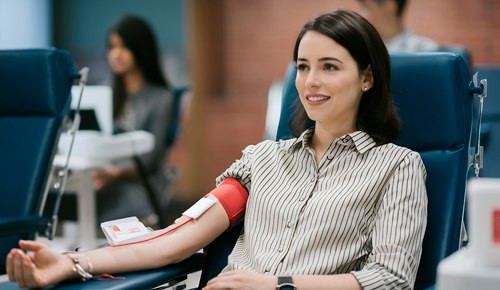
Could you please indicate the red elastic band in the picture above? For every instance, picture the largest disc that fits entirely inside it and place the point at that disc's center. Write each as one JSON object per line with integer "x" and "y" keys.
{"x": 233, "y": 197}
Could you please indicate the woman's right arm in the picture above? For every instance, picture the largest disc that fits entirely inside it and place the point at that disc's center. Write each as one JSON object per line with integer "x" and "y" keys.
{"x": 44, "y": 266}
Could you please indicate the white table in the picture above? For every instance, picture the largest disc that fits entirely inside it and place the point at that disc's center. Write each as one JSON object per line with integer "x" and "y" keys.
{"x": 92, "y": 150}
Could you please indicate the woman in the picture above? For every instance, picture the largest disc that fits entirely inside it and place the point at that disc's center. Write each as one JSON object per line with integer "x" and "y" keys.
{"x": 141, "y": 101}
{"x": 339, "y": 207}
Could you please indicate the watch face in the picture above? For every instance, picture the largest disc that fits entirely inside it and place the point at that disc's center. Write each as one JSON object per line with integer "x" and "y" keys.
{"x": 285, "y": 283}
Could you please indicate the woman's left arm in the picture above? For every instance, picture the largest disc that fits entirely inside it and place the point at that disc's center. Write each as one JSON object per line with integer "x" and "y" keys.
{"x": 398, "y": 229}
{"x": 240, "y": 279}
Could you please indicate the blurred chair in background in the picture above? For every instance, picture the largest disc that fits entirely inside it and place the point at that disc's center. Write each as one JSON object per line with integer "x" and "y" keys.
{"x": 273, "y": 110}
{"x": 35, "y": 98}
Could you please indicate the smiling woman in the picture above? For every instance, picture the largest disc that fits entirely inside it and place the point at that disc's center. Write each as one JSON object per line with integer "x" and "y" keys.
{"x": 346, "y": 53}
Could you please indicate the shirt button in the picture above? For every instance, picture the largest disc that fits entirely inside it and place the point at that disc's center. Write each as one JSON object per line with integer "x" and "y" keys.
{"x": 289, "y": 225}
{"x": 313, "y": 179}
{"x": 280, "y": 250}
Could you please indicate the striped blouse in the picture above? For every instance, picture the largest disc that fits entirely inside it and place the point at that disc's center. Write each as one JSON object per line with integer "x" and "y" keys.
{"x": 361, "y": 210}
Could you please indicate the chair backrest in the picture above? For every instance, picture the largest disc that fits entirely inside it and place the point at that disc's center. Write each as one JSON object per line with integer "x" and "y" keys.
{"x": 173, "y": 128}
{"x": 433, "y": 101}
{"x": 457, "y": 49}
{"x": 34, "y": 97}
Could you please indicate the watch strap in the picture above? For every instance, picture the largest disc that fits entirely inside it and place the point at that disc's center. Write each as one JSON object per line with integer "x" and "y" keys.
{"x": 285, "y": 283}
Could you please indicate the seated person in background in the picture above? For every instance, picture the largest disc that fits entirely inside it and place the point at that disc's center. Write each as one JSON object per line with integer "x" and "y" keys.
{"x": 141, "y": 101}
{"x": 338, "y": 207}
{"x": 386, "y": 16}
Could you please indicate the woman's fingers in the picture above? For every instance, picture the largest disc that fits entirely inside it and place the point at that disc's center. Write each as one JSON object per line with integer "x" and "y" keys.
{"x": 18, "y": 269}
{"x": 31, "y": 245}
{"x": 10, "y": 265}
{"x": 28, "y": 272}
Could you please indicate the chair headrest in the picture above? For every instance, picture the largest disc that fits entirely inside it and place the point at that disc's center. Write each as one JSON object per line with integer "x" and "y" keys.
{"x": 35, "y": 82}
{"x": 431, "y": 95}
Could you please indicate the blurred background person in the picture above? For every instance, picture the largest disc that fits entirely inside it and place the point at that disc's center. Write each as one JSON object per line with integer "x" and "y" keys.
{"x": 141, "y": 101}
{"x": 387, "y": 17}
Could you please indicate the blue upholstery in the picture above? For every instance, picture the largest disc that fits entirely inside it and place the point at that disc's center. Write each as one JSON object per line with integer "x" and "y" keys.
{"x": 457, "y": 49}
{"x": 491, "y": 120}
{"x": 34, "y": 97}
{"x": 430, "y": 91}
{"x": 175, "y": 117}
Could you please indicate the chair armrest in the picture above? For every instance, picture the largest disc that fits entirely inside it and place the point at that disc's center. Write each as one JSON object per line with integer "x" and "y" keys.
{"x": 147, "y": 279}
{"x": 22, "y": 225}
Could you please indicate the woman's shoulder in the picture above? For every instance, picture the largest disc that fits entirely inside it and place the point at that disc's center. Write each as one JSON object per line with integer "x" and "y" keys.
{"x": 398, "y": 153}
{"x": 154, "y": 91}
{"x": 268, "y": 147}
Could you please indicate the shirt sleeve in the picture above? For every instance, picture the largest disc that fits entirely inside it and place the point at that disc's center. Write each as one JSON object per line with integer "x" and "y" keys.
{"x": 241, "y": 169}
{"x": 398, "y": 230}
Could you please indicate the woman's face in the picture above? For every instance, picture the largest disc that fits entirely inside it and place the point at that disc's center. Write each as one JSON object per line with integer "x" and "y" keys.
{"x": 329, "y": 83}
{"x": 120, "y": 58}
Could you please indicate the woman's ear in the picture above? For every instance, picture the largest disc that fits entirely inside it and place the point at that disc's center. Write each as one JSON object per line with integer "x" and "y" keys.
{"x": 367, "y": 78}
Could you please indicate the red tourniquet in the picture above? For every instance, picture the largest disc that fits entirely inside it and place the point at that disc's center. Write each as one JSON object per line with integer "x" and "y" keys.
{"x": 233, "y": 197}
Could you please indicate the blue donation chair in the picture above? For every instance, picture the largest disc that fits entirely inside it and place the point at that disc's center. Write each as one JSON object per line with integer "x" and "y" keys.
{"x": 431, "y": 93}
{"x": 34, "y": 98}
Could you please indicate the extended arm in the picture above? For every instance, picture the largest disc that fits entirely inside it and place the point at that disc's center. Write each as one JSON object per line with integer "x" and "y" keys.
{"x": 45, "y": 266}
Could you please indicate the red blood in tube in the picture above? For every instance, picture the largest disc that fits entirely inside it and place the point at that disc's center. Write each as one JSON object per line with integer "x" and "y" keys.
{"x": 496, "y": 227}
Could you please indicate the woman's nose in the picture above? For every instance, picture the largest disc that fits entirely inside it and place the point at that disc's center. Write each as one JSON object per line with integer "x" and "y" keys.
{"x": 312, "y": 79}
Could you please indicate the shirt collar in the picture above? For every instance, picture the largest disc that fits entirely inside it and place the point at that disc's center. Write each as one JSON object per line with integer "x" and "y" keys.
{"x": 362, "y": 141}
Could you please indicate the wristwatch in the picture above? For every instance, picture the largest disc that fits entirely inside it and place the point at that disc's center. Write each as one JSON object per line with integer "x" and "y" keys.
{"x": 285, "y": 283}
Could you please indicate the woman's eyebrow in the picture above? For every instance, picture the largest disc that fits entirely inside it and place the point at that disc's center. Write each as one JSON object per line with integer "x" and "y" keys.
{"x": 330, "y": 58}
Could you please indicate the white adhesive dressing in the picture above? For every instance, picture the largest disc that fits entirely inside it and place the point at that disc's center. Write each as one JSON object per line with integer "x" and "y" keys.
{"x": 200, "y": 207}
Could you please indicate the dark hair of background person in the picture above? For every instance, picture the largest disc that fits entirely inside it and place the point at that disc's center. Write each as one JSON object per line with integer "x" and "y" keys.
{"x": 139, "y": 38}
{"x": 376, "y": 113}
{"x": 400, "y": 3}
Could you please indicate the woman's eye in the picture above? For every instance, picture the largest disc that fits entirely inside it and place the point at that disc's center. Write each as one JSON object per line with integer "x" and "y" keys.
{"x": 330, "y": 67}
{"x": 302, "y": 67}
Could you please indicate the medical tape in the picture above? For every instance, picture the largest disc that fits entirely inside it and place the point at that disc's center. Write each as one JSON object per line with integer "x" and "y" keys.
{"x": 200, "y": 207}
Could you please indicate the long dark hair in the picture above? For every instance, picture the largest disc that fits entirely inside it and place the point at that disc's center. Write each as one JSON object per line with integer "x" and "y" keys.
{"x": 376, "y": 113}
{"x": 139, "y": 38}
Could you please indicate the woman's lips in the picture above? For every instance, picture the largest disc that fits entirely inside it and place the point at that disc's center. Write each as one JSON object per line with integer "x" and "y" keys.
{"x": 316, "y": 100}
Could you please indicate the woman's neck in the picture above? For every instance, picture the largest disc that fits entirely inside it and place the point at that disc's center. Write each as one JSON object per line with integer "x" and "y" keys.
{"x": 324, "y": 135}
{"x": 133, "y": 81}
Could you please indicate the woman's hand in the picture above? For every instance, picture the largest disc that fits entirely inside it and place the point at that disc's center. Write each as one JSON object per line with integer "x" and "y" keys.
{"x": 40, "y": 268}
{"x": 240, "y": 279}
{"x": 104, "y": 177}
